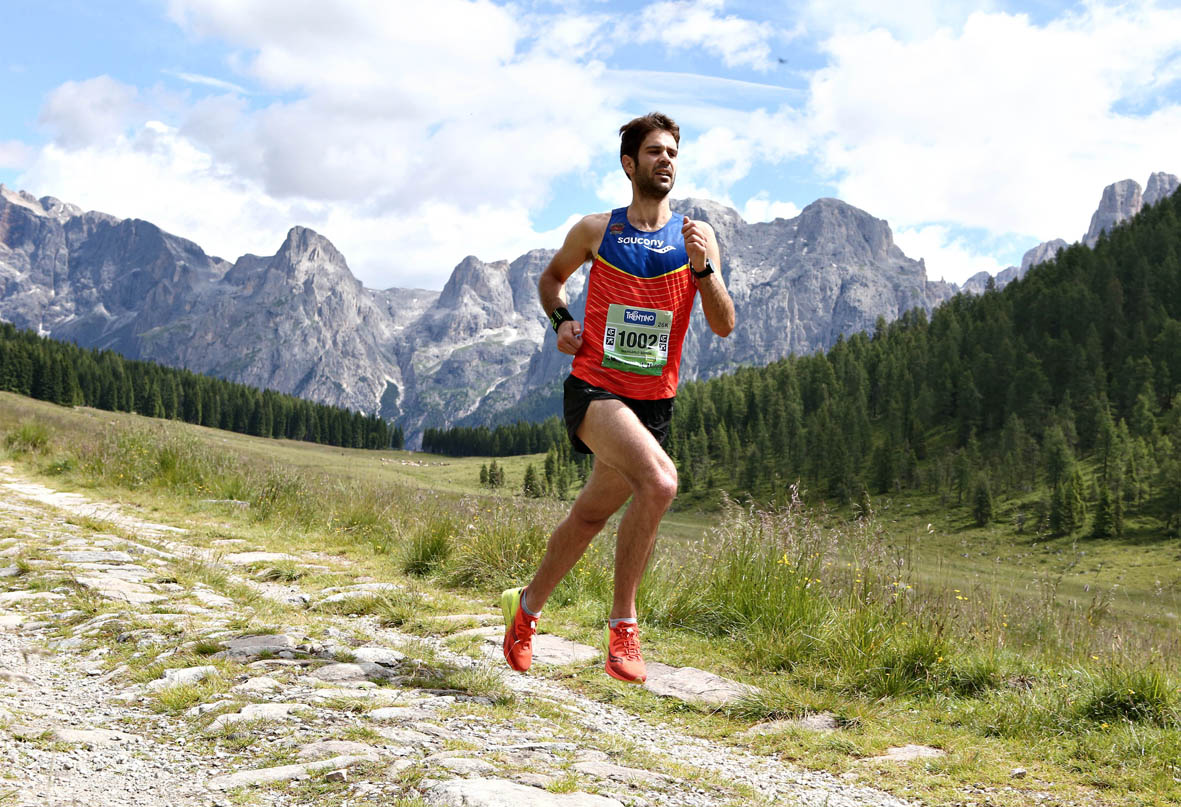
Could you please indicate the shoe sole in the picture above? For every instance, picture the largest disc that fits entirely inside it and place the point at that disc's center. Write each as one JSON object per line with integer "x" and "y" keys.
{"x": 510, "y": 600}
{"x": 607, "y": 664}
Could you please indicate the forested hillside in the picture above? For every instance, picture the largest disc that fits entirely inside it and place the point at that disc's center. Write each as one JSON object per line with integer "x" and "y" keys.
{"x": 999, "y": 393}
{"x": 66, "y": 374}
{"x": 1064, "y": 388}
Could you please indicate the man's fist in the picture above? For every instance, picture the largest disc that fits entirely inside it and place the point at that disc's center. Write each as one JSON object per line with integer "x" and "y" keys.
{"x": 570, "y": 336}
{"x": 695, "y": 243}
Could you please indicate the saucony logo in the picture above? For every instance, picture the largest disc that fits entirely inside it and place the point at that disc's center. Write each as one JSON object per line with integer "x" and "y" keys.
{"x": 653, "y": 244}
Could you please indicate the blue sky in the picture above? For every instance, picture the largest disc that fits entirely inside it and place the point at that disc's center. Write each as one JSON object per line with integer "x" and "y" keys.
{"x": 413, "y": 134}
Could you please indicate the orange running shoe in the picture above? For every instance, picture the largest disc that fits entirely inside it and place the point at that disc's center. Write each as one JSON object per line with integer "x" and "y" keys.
{"x": 623, "y": 654}
{"x": 519, "y": 628}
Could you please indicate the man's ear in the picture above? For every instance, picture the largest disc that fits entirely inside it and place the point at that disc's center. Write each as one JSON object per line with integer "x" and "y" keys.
{"x": 629, "y": 165}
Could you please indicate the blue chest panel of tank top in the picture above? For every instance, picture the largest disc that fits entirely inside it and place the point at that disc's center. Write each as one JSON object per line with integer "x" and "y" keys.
{"x": 643, "y": 254}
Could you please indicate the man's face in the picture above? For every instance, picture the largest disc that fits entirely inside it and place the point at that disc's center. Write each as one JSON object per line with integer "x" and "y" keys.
{"x": 655, "y": 168}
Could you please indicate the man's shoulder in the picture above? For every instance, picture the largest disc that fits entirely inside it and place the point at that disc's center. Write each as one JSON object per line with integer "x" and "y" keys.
{"x": 590, "y": 228}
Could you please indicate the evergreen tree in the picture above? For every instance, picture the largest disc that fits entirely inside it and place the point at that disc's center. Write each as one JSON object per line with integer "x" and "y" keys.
{"x": 982, "y": 501}
{"x": 532, "y": 486}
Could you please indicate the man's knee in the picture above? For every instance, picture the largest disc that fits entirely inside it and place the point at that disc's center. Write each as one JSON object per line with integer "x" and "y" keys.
{"x": 660, "y": 484}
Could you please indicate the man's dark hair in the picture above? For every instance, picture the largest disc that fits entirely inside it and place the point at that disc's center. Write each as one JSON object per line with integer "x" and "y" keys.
{"x": 632, "y": 133}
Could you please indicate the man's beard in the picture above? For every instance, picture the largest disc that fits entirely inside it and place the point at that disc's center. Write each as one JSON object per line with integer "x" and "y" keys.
{"x": 647, "y": 186}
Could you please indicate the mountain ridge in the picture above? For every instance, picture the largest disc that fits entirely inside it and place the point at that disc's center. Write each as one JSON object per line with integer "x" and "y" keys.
{"x": 300, "y": 322}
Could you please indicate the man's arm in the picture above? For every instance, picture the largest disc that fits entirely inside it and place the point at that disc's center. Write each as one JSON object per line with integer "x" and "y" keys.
{"x": 715, "y": 300}
{"x": 576, "y": 250}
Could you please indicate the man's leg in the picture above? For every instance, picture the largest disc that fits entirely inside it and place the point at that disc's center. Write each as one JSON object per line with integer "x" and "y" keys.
{"x": 604, "y": 493}
{"x": 621, "y": 441}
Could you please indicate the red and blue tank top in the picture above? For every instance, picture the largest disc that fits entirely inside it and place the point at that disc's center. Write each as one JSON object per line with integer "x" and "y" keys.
{"x": 639, "y": 297}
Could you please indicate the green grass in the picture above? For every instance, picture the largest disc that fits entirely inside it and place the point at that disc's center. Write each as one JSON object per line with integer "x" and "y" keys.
{"x": 910, "y": 625}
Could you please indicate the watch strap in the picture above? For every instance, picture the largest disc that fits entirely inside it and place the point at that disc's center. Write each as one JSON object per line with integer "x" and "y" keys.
{"x": 560, "y": 315}
{"x": 706, "y": 272}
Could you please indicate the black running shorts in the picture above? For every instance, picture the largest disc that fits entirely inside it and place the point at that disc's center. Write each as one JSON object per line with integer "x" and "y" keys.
{"x": 655, "y": 415}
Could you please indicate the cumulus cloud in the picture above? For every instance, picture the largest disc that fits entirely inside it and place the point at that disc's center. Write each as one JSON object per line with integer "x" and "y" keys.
{"x": 948, "y": 257}
{"x": 157, "y": 173}
{"x": 761, "y": 207}
{"x": 1003, "y": 124}
{"x": 83, "y": 112}
{"x": 14, "y": 154}
{"x": 702, "y": 24}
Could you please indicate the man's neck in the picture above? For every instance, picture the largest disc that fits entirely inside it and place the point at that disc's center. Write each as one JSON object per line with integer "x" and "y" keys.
{"x": 646, "y": 213}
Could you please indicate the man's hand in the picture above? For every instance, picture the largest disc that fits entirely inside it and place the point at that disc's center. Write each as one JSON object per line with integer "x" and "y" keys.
{"x": 696, "y": 242}
{"x": 570, "y": 336}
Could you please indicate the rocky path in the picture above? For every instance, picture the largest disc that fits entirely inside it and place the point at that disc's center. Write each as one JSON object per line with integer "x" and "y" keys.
{"x": 139, "y": 669}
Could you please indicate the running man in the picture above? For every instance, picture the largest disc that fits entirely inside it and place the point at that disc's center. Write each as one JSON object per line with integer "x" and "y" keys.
{"x": 648, "y": 264}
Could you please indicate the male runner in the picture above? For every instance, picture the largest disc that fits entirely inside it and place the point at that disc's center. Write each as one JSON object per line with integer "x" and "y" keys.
{"x": 648, "y": 264}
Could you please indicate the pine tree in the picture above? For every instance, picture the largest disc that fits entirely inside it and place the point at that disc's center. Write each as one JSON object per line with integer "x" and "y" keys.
{"x": 1104, "y": 524}
{"x": 982, "y": 501}
{"x": 531, "y": 486}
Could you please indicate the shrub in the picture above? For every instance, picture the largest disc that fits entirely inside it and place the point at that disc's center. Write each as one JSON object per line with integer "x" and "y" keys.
{"x": 1143, "y": 695}
{"x": 31, "y": 435}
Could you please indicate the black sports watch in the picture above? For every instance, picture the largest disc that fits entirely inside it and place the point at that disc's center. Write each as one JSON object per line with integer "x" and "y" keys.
{"x": 559, "y": 316}
{"x": 708, "y": 270}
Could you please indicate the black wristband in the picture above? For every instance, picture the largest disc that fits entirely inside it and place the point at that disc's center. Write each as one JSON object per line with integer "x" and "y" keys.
{"x": 706, "y": 272}
{"x": 559, "y": 316}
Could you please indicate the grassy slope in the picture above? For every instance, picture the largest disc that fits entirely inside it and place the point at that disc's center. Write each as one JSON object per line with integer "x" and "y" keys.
{"x": 1081, "y": 761}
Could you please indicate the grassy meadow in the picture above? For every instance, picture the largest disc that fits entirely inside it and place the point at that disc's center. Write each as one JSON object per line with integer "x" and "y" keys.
{"x": 907, "y": 623}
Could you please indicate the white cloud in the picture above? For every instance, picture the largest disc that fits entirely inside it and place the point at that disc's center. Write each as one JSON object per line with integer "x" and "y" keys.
{"x": 385, "y": 116}
{"x": 1004, "y": 124}
{"x": 158, "y": 174}
{"x": 761, "y": 207}
{"x": 209, "y": 81}
{"x": 85, "y": 112}
{"x": 14, "y": 154}
{"x": 947, "y": 257}
{"x": 701, "y": 24}
{"x": 908, "y": 20}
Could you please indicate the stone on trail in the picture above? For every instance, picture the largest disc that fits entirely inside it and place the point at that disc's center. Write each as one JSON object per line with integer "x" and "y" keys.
{"x": 10, "y": 571}
{"x": 95, "y": 556}
{"x": 905, "y": 753}
{"x": 211, "y": 599}
{"x": 285, "y": 773}
{"x": 378, "y": 655}
{"x": 466, "y": 766}
{"x": 340, "y": 673}
{"x": 692, "y": 685}
{"x": 11, "y": 597}
{"x": 247, "y": 558}
{"x": 607, "y": 770}
{"x": 91, "y": 738}
{"x": 502, "y": 793}
{"x": 259, "y": 685}
{"x": 547, "y": 648}
{"x": 182, "y": 675}
{"x": 114, "y": 588}
{"x": 11, "y": 621}
{"x": 334, "y": 748}
{"x": 249, "y": 648}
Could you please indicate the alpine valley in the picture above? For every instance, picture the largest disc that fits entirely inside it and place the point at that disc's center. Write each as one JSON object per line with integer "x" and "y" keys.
{"x": 478, "y": 351}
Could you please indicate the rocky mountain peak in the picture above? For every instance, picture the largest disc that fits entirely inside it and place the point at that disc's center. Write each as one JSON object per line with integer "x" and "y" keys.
{"x": 307, "y": 255}
{"x": 1160, "y": 186}
{"x": 1043, "y": 252}
{"x": 487, "y": 281}
{"x": 1120, "y": 201}
{"x": 833, "y": 226}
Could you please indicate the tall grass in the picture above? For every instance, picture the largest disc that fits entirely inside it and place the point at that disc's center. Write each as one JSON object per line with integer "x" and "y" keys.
{"x": 831, "y": 605}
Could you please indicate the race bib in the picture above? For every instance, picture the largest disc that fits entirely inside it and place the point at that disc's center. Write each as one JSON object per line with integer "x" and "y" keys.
{"x": 636, "y": 339}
